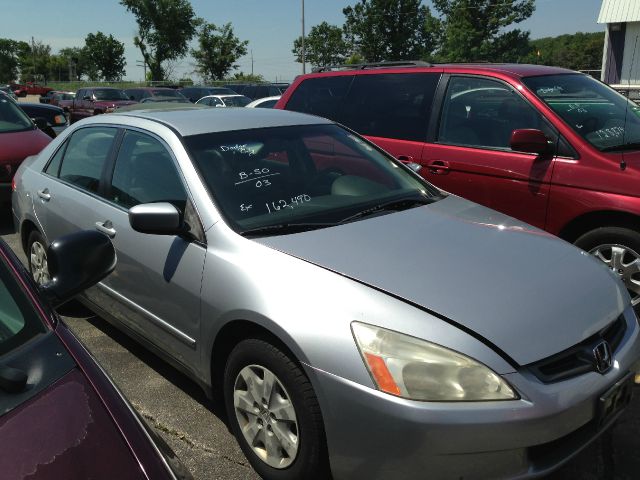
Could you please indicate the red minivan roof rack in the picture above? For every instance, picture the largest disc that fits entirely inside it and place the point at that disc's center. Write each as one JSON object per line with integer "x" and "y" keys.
{"x": 364, "y": 66}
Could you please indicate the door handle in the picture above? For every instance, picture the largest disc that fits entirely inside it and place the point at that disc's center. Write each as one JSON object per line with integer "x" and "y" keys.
{"x": 438, "y": 167}
{"x": 405, "y": 158}
{"x": 44, "y": 194}
{"x": 106, "y": 227}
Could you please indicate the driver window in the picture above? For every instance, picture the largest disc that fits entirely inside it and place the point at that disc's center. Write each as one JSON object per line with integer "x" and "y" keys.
{"x": 483, "y": 113}
{"x": 145, "y": 173}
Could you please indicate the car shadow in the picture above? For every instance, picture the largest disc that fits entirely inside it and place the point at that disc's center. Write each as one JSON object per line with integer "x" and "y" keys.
{"x": 76, "y": 310}
{"x": 6, "y": 220}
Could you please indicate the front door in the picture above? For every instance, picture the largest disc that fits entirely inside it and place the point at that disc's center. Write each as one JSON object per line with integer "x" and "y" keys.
{"x": 472, "y": 155}
{"x": 155, "y": 288}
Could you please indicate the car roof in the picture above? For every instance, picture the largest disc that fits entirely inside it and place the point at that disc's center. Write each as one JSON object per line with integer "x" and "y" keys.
{"x": 510, "y": 69}
{"x": 207, "y": 120}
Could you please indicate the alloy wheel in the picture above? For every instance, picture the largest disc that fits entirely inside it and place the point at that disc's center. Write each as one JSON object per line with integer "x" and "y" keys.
{"x": 266, "y": 416}
{"x": 38, "y": 263}
{"x": 625, "y": 262}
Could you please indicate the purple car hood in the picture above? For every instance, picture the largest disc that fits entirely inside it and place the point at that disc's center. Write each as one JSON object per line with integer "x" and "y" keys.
{"x": 64, "y": 432}
{"x": 522, "y": 289}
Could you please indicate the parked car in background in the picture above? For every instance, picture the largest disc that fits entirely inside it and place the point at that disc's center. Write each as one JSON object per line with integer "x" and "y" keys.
{"x": 7, "y": 90}
{"x": 46, "y": 98}
{"x": 249, "y": 241}
{"x": 95, "y": 101}
{"x": 57, "y": 406}
{"x": 29, "y": 88}
{"x": 19, "y": 138}
{"x": 63, "y": 100}
{"x": 224, "y": 101}
{"x": 56, "y": 120}
{"x": 196, "y": 93}
{"x": 257, "y": 91}
{"x": 155, "y": 94}
{"x": 266, "y": 102}
{"x": 549, "y": 146}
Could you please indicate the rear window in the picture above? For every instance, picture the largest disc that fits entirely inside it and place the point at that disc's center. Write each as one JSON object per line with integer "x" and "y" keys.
{"x": 322, "y": 96}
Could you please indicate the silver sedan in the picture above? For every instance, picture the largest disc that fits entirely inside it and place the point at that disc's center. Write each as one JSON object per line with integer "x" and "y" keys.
{"x": 354, "y": 319}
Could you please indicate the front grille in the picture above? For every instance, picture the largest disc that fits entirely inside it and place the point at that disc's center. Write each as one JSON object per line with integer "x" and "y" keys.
{"x": 580, "y": 358}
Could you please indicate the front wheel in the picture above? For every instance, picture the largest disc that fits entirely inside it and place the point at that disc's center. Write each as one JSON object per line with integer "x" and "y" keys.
{"x": 37, "y": 258}
{"x": 619, "y": 249}
{"x": 274, "y": 413}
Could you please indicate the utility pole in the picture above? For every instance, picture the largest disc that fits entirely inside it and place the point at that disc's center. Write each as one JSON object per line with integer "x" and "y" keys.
{"x": 33, "y": 51}
{"x": 252, "y": 62}
{"x": 304, "y": 67}
{"x": 143, "y": 64}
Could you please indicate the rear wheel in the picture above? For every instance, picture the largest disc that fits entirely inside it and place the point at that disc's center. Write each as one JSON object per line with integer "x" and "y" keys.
{"x": 274, "y": 413}
{"x": 37, "y": 258}
{"x": 619, "y": 249}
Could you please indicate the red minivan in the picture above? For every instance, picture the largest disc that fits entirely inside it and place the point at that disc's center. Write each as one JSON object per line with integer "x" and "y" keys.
{"x": 553, "y": 147}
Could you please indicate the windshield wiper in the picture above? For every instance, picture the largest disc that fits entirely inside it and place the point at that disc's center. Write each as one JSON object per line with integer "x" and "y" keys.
{"x": 621, "y": 147}
{"x": 281, "y": 228}
{"x": 394, "y": 205}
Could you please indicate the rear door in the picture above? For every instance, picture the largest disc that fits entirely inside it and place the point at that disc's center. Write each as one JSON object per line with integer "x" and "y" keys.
{"x": 471, "y": 154}
{"x": 392, "y": 110}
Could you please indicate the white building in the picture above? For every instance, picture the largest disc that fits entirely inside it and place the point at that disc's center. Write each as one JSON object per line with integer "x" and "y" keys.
{"x": 621, "y": 55}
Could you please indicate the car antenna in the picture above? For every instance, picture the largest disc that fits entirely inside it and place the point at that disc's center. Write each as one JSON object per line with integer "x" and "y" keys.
{"x": 623, "y": 163}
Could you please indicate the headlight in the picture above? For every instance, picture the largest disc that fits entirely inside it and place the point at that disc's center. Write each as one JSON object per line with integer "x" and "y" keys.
{"x": 412, "y": 368}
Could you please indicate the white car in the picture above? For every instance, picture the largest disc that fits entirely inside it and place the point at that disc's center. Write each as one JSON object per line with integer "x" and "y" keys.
{"x": 266, "y": 102}
{"x": 224, "y": 101}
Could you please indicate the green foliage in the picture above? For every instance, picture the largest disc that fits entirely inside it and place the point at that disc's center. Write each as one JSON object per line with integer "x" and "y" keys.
{"x": 165, "y": 28}
{"x": 246, "y": 77}
{"x": 76, "y": 62}
{"x": 218, "y": 51}
{"x": 324, "y": 45}
{"x": 474, "y": 30}
{"x": 580, "y": 51}
{"x": 104, "y": 57}
{"x": 391, "y": 29}
{"x": 34, "y": 61}
{"x": 10, "y": 53}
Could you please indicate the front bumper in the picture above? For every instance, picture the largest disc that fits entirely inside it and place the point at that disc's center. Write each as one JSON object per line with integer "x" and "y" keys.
{"x": 374, "y": 435}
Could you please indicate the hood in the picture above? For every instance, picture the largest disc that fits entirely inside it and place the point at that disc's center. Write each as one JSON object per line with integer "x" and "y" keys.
{"x": 16, "y": 146}
{"x": 113, "y": 103}
{"x": 522, "y": 289}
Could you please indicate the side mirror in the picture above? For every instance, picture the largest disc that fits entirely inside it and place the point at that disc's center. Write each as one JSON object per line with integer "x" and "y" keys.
{"x": 160, "y": 218}
{"x": 530, "y": 140}
{"x": 77, "y": 262}
{"x": 87, "y": 97}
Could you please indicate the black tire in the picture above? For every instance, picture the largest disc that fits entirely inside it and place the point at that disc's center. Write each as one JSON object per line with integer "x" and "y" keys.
{"x": 311, "y": 460}
{"x": 34, "y": 236}
{"x": 625, "y": 237}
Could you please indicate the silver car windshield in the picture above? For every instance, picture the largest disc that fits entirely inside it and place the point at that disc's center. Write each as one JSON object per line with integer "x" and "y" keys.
{"x": 599, "y": 114}
{"x": 312, "y": 174}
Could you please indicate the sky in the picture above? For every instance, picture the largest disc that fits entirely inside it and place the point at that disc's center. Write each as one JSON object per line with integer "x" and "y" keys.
{"x": 270, "y": 26}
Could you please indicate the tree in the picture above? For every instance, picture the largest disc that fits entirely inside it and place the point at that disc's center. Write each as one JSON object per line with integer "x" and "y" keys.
{"x": 391, "y": 29}
{"x": 34, "y": 61}
{"x": 580, "y": 51}
{"x": 246, "y": 77}
{"x": 165, "y": 28}
{"x": 474, "y": 30}
{"x": 10, "y": 53}
{"x": 218, "y": 50}
{"x": 76, "y": 62}
{"x": 325, "y": 45}
{"x": 103, "y": 57}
